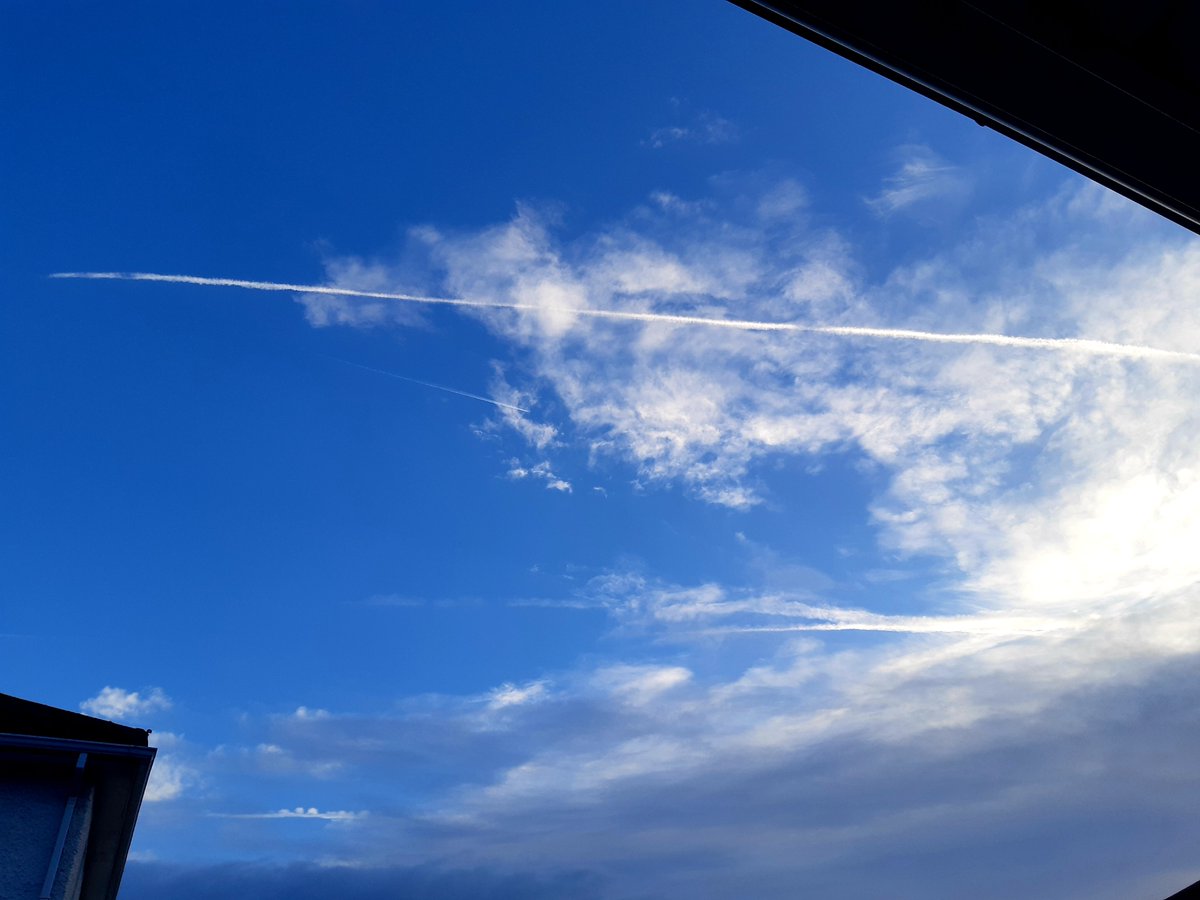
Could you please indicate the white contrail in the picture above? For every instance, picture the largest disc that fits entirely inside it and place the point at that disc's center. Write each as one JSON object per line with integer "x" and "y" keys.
{"x": 335, "y": 815}
{"x": 430, "y": 384}
{"x": 442, "y": 301}
{"x": 1078, "y": 345}
{"x": 999, "y": 626}
{"x": 835, "y": 618}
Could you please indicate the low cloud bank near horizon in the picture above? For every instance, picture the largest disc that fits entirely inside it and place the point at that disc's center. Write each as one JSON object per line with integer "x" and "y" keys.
{"x": 817, "y": 765}
{"x": 306, "y": 881}
{"x": 661, "y": 787}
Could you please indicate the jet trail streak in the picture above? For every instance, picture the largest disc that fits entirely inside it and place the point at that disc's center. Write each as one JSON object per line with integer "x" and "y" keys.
{"x": 430, "y": 384}
{"x": 1076, "y": 345}
{"x": 889, "y": 627}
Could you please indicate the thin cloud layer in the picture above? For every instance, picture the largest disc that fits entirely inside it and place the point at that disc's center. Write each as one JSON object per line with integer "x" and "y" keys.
{"x": 306, "y": 881}
{"x": 705, "y": 127}
{"x": 806, "y": 768}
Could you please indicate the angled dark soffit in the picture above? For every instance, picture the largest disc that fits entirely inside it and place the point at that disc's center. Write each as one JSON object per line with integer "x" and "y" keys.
{"x": 1110, "y": 89}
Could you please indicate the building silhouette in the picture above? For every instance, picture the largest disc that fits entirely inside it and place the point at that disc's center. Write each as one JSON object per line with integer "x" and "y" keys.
{"x": 70, "y": 790}
{"x": 1109, "y": 89}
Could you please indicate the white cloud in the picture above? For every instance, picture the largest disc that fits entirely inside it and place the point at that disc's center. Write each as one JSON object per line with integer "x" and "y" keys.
{"x": 704, "y": 409}
{"x": 1054, "y": 683}
{"x": 514, "y": 414}
{"x": 274, "y": 759}
{"x": 946, "y": 423}
{"x": 921, "y": 180}
{"x": 639, "y": 685}
{"x": 304, "y": 714}
{"x": 782, "y": 201}
{"x": 704, "y": 128}
{"x": 902, "y": 740}
{"x": 950, "y": 425}
{"x": 168, "y": 779}
{"x": 118, "y": 703}
{"x": 705, "y": 610}
{"x": 323, "y": 310}
{"x": 164, "y": 740}
{"x": 539, "y": 471}
{"x": 508, "y": 695}
{"x": 815, "y": 757}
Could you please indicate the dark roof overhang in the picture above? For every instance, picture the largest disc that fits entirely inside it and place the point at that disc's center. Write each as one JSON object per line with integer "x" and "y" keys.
{"x": 44, "y": 739}
{"x": 1111, "y": 90}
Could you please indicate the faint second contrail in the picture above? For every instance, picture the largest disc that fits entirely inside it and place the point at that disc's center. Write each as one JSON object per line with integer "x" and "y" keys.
{"x": 907, "y": 625}
{"x": 430, "y": 384}
{"x": 1077, "y": 345}
{"x": 838, "y": 619}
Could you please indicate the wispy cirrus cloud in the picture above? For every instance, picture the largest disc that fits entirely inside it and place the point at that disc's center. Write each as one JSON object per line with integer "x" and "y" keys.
{"x": 705, "y": 127}
{"x": 684, "y": 613}
{"x": 921, "y": 180}
{"x": 507, "y": 695}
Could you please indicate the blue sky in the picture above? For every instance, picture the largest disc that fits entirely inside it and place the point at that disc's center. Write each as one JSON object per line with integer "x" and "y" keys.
{"x": 717, "y": 611}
